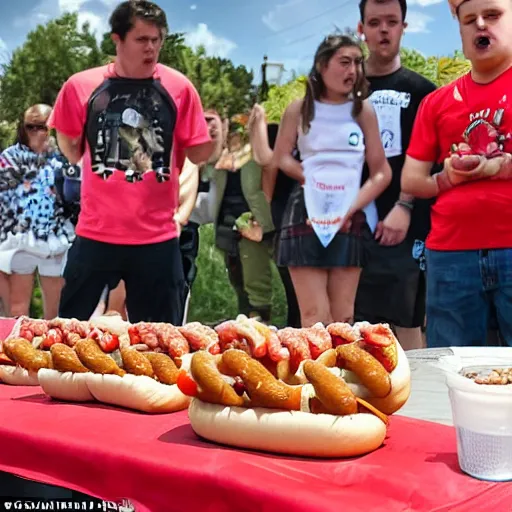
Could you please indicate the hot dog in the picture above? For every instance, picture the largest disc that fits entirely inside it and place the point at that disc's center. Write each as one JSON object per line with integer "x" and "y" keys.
{"x": 86, "y": 373}
{"x": 320, "y": 418}
{"x": 380, "y": 343}
{"x": 368, "y": 357}
{"x": 367, "y": 368}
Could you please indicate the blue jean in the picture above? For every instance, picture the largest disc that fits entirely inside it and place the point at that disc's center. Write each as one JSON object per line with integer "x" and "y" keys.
{"x": 462, "y": 286}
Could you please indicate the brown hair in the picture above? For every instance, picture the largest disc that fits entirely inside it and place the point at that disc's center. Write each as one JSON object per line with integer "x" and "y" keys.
{"x": 402, "y": 3}
{"x": 36, "y": 114}
{"x": 315, "y": 86}
{"x": 122, "y": 20}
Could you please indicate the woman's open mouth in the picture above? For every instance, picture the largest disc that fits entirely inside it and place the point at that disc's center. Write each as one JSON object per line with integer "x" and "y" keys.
{"x": 482, "y": 42}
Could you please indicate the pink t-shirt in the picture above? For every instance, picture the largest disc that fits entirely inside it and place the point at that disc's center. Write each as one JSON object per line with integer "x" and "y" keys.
{"x": 130, "y": 125}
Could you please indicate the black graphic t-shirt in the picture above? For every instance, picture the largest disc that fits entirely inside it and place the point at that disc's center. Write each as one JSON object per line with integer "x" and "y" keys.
{"x": 130, "y": 127}
{"x": 396, "y": 99}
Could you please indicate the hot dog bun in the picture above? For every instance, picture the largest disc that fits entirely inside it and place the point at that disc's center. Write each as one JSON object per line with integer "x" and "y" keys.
{"x": 400, "y": 385}
{"x": 137, "y": 392}
{"x": 287, "y": 432}
{"x": 17, "y": 376}
{"x": 66, "y": 386}
{"x": 237, "y": 401}
{"x": 131, "y": 391}
{"x": 88, "y": 374}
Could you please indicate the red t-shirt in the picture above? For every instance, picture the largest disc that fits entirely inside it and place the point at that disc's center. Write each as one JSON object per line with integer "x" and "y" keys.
{"x": 130, "y": 124}
{"x": 475, "y": 215}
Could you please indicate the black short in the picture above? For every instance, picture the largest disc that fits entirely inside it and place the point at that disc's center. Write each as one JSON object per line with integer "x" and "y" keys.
{"x": 392, "y": 288}
{"x": 153, "y": 277}
{"x": 299, "y": 246}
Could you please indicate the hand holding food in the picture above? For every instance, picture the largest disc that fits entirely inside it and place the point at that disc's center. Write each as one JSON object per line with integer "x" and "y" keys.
{"x": 249, "y": 228}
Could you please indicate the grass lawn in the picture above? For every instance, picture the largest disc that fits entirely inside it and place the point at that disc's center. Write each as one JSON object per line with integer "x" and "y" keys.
{"x": 212, "y": 296}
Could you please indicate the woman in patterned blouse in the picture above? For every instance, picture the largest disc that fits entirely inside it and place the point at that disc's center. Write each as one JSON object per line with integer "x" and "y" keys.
{"x": 34, "y": 231}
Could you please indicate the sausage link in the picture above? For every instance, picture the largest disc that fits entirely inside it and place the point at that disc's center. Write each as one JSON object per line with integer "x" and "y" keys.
{"x": 369, "y": 371}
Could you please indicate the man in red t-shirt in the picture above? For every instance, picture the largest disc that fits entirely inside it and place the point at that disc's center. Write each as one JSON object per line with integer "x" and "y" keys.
{"x": 469, "y": 248}
{"x": 133, "y": 122}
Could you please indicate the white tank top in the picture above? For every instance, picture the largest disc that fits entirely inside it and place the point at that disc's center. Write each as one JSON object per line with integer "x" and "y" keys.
{"x": 335, "y": 139}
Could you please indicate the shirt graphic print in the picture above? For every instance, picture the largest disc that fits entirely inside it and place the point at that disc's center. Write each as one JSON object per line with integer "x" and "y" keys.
{"x": 388, "y": 105}
{"x": 130, "y": 127}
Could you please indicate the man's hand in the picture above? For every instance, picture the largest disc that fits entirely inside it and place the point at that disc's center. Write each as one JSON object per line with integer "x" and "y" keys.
{"x": 179, "y": 223}
{"x": 393, "y": 229}
{"x": 254, "y": 232}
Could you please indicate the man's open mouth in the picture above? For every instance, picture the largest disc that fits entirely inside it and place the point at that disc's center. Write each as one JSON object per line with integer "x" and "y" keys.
{"x": 385, "y": 41}
{"x": 482, "y": 42}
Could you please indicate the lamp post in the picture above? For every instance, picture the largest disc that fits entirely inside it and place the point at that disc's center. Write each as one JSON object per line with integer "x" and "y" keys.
{"x": 275, "y": 68}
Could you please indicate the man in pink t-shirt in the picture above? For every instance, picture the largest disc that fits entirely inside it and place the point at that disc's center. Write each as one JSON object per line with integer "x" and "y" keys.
{"x": 130, "y": 121}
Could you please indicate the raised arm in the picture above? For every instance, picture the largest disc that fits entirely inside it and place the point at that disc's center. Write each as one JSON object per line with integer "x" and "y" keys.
{"x": 258, "y": 135}
{"x": 286, "y": 141}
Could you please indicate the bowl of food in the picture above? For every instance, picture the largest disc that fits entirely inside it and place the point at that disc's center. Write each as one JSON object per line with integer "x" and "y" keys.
{"x": 481, "y": 401}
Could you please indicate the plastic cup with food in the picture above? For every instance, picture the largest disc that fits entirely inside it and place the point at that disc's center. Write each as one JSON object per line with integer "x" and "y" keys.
{"x": 481, "y": 401}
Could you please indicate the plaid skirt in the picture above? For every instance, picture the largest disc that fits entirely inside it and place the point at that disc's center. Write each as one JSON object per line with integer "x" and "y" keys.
{"x": 298, "y": 245}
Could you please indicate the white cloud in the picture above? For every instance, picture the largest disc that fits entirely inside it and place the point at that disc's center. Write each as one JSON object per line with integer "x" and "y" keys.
{"x": 283, "y": 12}
{"x": 48, "y": 9}
{"x": 214, "y": 45}
{"x": 193, "y": 7}
{"x": 70, "y": 5}
{"x": 98, "y": 25}
{"x": 417, "y": 22}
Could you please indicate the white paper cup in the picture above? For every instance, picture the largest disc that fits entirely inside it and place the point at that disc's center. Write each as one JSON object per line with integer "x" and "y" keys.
{"x": 482, "y": 416}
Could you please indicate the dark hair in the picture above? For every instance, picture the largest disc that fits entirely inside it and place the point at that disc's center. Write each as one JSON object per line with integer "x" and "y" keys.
{"x": 315, "y": 86}
{"x": 402, "y": 3}
{"x": 122, "y": 20}
{"x": 21, "y": 133}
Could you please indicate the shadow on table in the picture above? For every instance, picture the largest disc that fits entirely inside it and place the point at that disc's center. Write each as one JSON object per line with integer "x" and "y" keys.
{"x": 184, "y": 435}
{"x": 449, "y": 459}
{"x": 41, "y": 398}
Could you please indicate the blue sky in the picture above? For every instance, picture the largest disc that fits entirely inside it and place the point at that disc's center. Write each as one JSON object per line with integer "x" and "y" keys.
{"x": 288, "y": 31}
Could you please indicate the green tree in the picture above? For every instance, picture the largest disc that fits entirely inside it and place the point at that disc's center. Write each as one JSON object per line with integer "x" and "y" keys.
{"x": 37, "y": 70}
{"x": 7, "y": 134}
{"x": 221, "y": 84}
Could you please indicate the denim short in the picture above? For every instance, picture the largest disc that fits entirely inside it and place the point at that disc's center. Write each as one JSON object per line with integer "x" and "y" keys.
{"x": 463, "y": 287}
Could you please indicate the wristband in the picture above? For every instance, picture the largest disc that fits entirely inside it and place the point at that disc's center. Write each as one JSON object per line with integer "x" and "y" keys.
{"x": 442, "y": 181}
{"x": 408, "y": 205}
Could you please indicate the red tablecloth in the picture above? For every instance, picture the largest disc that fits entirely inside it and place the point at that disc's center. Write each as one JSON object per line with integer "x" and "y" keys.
{"x": 159, "y": 464}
